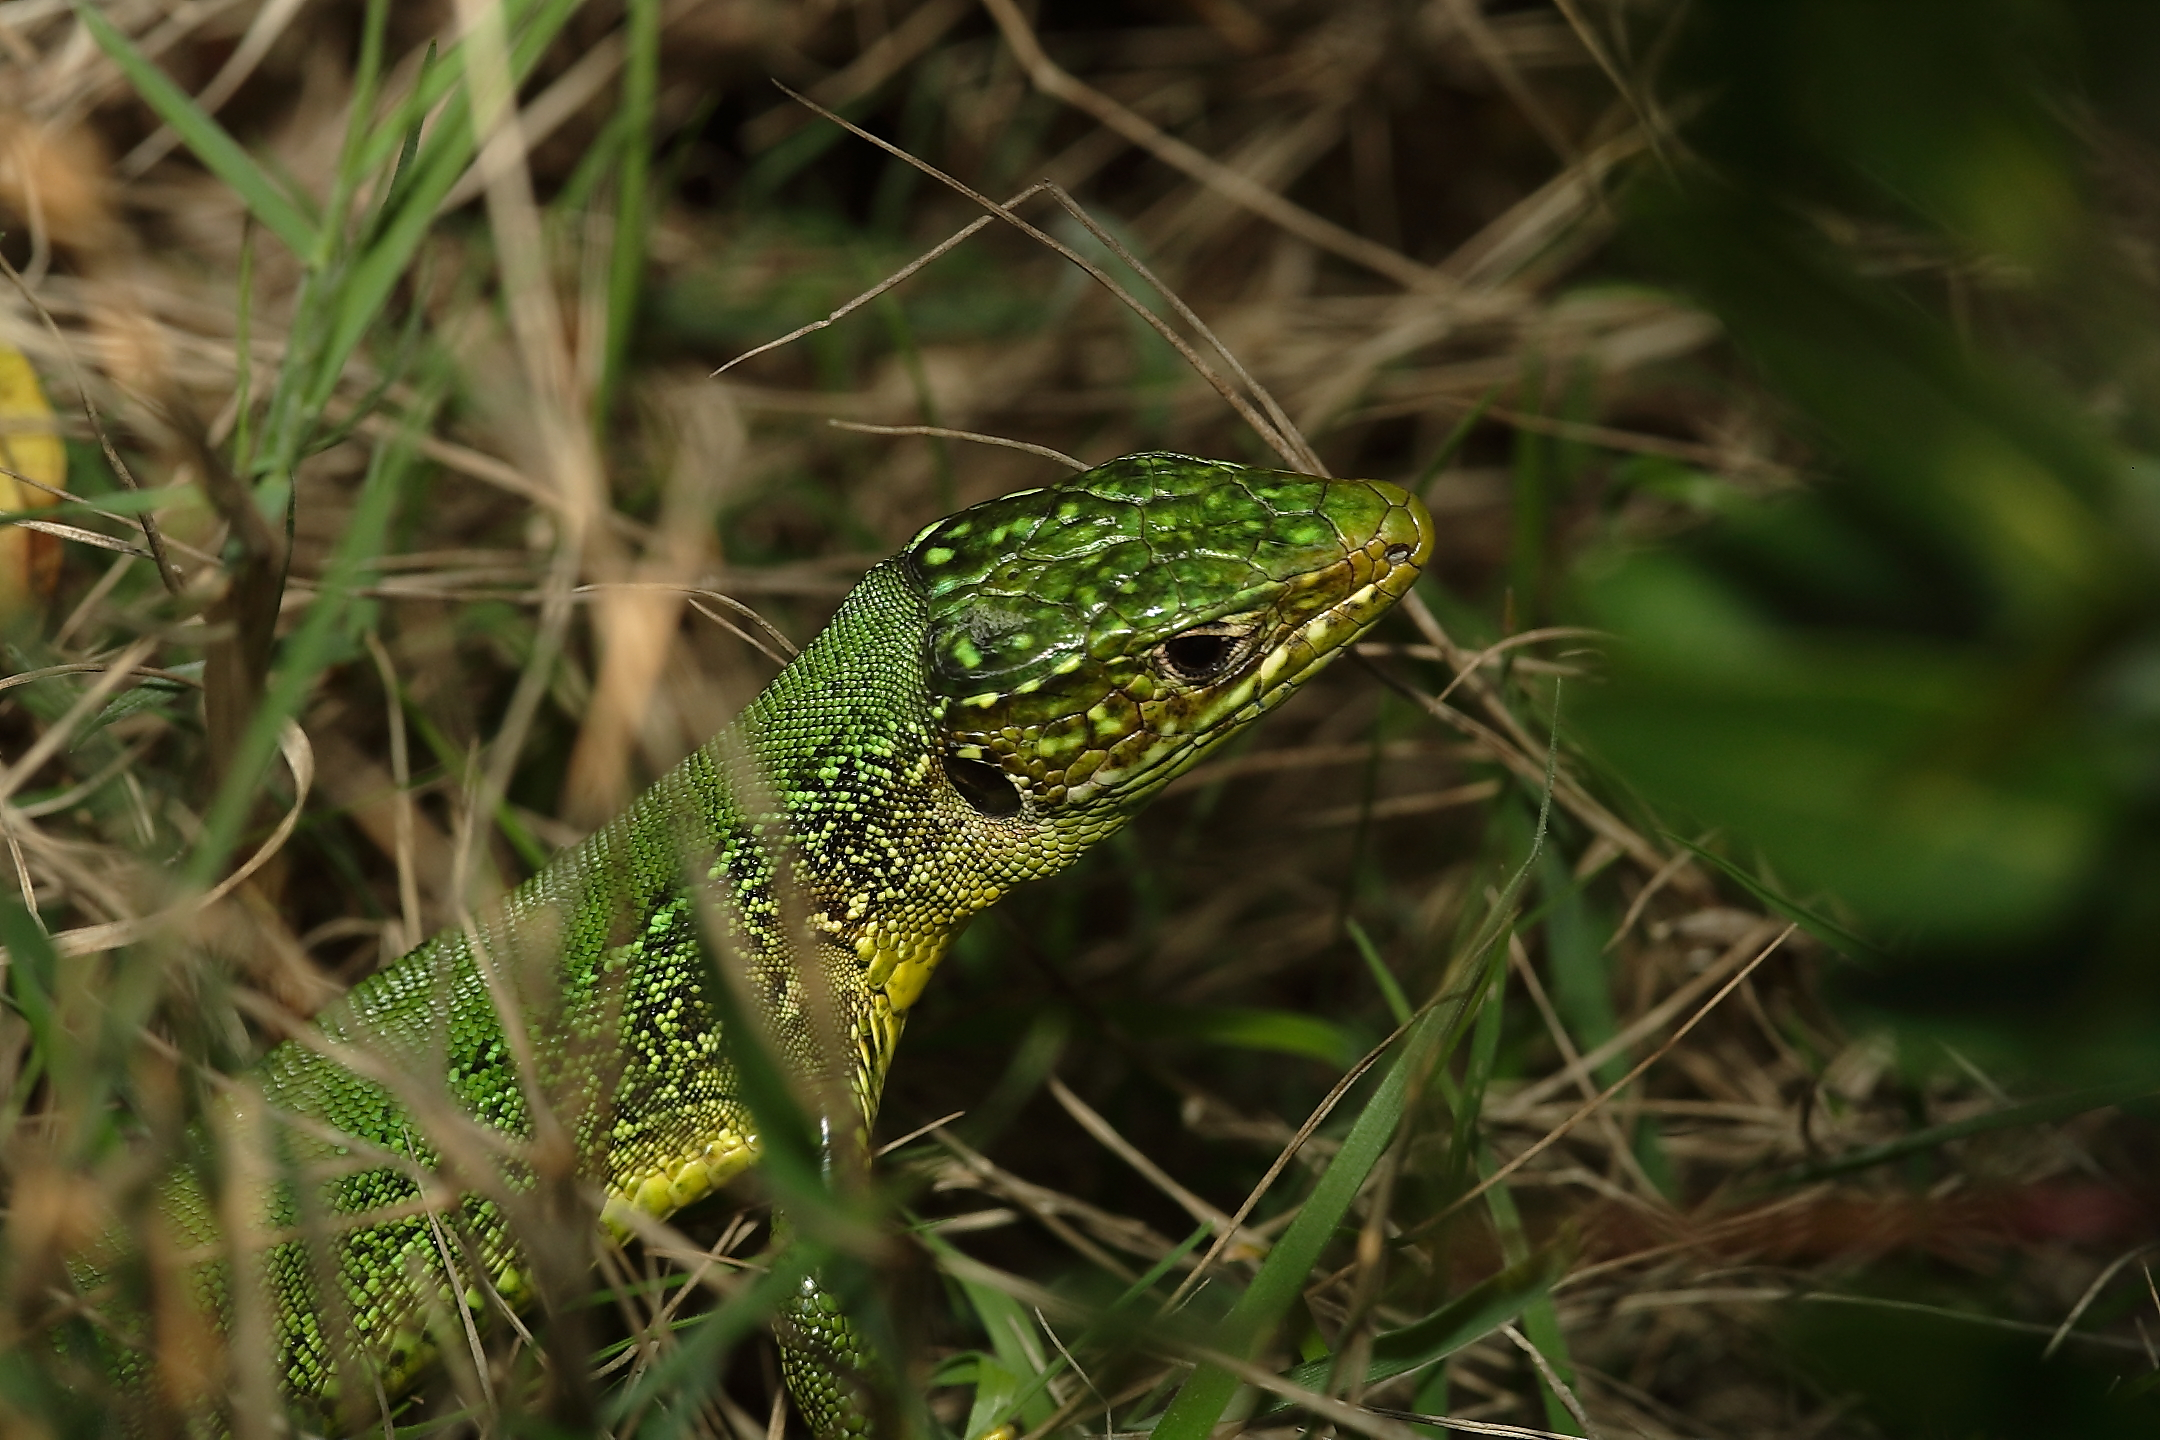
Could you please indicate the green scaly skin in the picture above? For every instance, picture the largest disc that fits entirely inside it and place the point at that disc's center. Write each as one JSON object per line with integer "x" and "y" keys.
{"x": 983, "y": 707}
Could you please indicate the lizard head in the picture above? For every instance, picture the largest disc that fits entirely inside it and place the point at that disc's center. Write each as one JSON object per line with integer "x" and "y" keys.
{"x": 1090, "y": 641}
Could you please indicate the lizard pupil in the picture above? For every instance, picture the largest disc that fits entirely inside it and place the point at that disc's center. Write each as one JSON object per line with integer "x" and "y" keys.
{"x": 1198, "y": 654}
{"x": 983, "y": 786}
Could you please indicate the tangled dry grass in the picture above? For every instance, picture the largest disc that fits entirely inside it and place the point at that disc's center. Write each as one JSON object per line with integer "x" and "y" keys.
{"x": 1394, "y": 216}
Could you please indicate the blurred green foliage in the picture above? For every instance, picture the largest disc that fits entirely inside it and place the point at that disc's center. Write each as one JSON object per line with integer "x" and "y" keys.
{"x": 1925, "y": 683}
{"x": 1921, "y": 691}
{"x": 1953, "y": 1376}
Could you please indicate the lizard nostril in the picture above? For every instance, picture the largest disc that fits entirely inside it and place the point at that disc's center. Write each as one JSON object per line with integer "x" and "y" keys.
{"x": 1396, "y": 554}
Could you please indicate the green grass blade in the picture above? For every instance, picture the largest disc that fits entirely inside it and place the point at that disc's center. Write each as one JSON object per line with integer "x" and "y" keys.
{"x": 1390, "y": 990}
{"x": 1821, "y": 926}
{"x": 310, "y": 649}
{"x": 2045, "y": 1111}
{"x": 265, "y": 199}
{"x": 1015, "y": 1382}
{"x": 1282, "y": 1277}
{"x": 997, "y": 1392}
{"x": 1119, "y": 1317}
{"x": 1464, "y": 1320}
{"x": 690, "y": 1368}
{"x": 1200, "y": 1402}
{"x": 1576, "y": 936}
{"x": 626, "y": 266}
{"x": 444, "y": 154}
{"x": 31, "y": 966}
{"x": 1541, "y": 1318}
{"x": 1453, "y": 444}
{"x": 439, "y": 76}
{"x": 367, "y": 77}
{"x": 1280, "y": 1032}
{"x": 410, "y": 117}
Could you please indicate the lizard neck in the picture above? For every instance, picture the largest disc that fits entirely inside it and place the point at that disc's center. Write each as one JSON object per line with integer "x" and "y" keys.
{"x": 839, "y": 766}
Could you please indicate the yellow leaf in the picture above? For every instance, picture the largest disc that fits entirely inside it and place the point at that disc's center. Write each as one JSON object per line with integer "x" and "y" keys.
{"x": 30, "y": 449}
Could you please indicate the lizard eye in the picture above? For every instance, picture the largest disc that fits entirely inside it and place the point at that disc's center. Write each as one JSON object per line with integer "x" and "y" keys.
{"x": 1201, "y": 653}
{"x": 983, "y": 786}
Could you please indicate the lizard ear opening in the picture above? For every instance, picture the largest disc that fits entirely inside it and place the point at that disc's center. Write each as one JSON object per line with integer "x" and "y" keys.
{"x": 983, "y": 786}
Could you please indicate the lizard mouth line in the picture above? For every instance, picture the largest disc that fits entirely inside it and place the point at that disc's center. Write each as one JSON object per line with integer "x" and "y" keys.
{"x": 1266, "y": 683}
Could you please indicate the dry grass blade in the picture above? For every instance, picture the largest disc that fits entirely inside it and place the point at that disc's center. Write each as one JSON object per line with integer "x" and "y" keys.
{"x": 1306, "y": 458}
{"x": 2092, "y": 1292}
{"x": 1471, "y": 19}
{"x": 81, "y": 537}
{"x": 1552, "y": 1380}
{"x": 1053, "y": 80}
{"x": 1596, "y": 1102}
{"x": 86, "y": 704}
{"x": 1622, "y": 1150}
{"x": 1118, "y": 1145}
{"x": 1261, "y": 426}
{"x": 941, "y": 433}
{"x": 299, "y": 759}
{"x": 892, "y": 281}
{"x": 1648, "y": 1023}
{"x": 270, "y": 22}
{"x": 408, "y": 883}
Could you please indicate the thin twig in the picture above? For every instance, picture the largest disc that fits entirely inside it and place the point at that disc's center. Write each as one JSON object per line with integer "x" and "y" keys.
{"x": 1155, "y": 1175}
{"x": 1056, "y": 82}
{"x": 1553, "y": 1382}
{"x": 401, "y": 798}
{"x": 1554, "y": 1135}
{"x": 1308, "y": 459}
{"x": 898, "y": 277}
{"x": 97, "y": 939}
{"x": 939, "y": 432}
{"x": 1260, "y": 424}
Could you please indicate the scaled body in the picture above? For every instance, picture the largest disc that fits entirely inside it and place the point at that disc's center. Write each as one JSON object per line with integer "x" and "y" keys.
{"x": 983, "y": 707}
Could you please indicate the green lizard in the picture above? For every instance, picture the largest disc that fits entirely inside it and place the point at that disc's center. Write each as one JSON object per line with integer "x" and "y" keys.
{"x": 983, "y": 707}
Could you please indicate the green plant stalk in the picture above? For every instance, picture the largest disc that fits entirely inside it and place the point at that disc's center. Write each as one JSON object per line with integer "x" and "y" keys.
{"x": 1541, "y": 1319}
{"x": 634, "y": 126}
{"x": 437, "y": 166}
{"x": 265, "y": 199}
{"x": 1282, "y": 1276}
{"x": 306, "y": 653}
{"x": 2045, "y": 1111}
{"x": 243, "y": 356}
{"x": 1390, "y": 990}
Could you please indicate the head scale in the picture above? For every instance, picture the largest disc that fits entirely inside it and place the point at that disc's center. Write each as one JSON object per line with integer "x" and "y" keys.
{"x": 1090, "y": 641}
